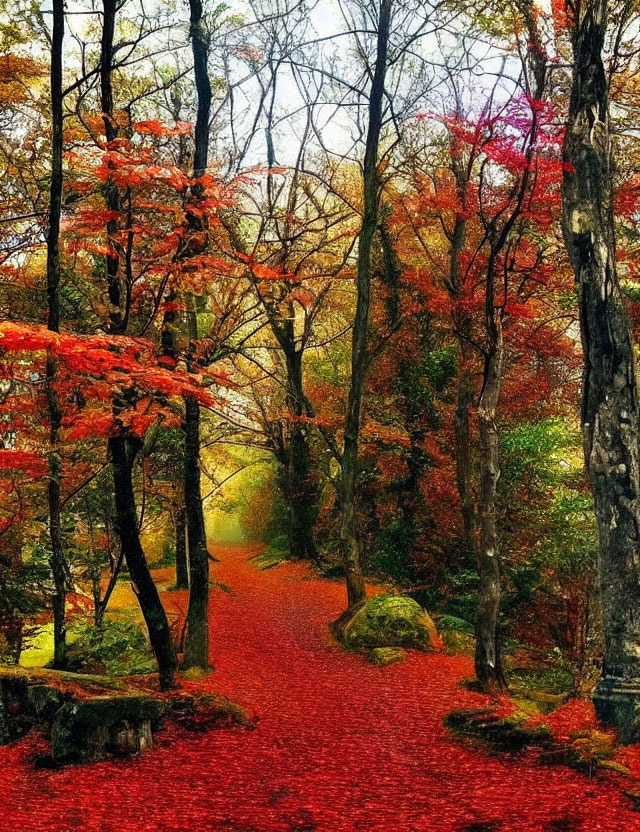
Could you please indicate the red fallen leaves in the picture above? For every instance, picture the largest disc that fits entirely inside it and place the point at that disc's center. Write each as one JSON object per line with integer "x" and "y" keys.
{"x": 340, "y": 745}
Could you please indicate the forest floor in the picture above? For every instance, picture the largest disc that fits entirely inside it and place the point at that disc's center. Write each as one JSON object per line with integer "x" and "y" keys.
{"x": 340, "y": 745}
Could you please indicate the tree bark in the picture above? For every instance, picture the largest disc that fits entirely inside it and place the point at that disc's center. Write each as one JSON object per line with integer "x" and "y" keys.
{"x": 123, "y": 452}
{"x": 58, "y": 559}
{"x": 300, "y": 483}
{"x": 197, "y": 640}
{"x": 464, "y": 457}
{"x": 488, "y": 655}
{"x": 182, "y": 573}
{"x": 610, "y": 410}
{"x": 112, "y": 194}
{"x": 350, "y": 546}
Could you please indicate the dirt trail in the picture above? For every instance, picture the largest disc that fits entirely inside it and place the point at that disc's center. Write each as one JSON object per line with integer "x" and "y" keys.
{"x": 340, "y": 745}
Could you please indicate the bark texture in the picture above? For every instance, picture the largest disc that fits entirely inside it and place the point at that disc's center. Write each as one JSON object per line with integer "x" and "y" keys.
{"x": 610, "y": 411}
{"x": 351, "y": 554}
{"x": 123, "y": 451}
{"x": 197, "y": 640}
{"x": 112, "y": 194}
{"x": 58, "y": 560}
{"x": 182, "y": 573}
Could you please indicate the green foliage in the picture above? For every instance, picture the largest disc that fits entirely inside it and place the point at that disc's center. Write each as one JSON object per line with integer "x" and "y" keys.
{"x": 24, "y": 591}
{"x": 118, "y": 648}
{"x": 554, "y": 680}
{"x": 462, "y": 592}
{"x": 545, "y": 452}
{"x": 450, "y": 623}
{"x": 391, "y": 555}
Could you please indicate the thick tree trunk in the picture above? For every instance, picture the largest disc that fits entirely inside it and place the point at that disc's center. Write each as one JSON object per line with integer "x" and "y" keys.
{"x": 300, "y": 480}
{"x": 196, "y": 652}
{"x": 351, "y": 554}
{"x": 488, "y": 661}
{"x": 610, "y": 409}
{"x": 58, "y": 560}
{"x": 123, "y": 452}
{"x": 182, "y": 572}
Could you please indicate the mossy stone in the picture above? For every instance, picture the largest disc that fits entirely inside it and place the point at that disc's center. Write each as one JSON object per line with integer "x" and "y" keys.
{"x": 82, "y": 730}
{"x": 44, "y": 700}
{"x": 390, "y": 621}
{"x": 383, "y": 656}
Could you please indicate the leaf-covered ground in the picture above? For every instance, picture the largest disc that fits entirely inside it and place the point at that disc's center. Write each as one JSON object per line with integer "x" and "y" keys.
{"x": 340, "y": 744}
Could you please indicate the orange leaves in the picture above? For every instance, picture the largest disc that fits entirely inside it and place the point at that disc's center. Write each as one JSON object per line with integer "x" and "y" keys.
{"x": 157, "y": 128}
{"x": 260, "y": 270}
{"x": 305, "y": 297}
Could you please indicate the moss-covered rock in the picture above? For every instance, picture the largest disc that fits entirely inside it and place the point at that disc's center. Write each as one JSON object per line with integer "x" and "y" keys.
{"x": 87, "y": 730}
{"x": 390, "y": 621}
{"x": 383, "y": 656}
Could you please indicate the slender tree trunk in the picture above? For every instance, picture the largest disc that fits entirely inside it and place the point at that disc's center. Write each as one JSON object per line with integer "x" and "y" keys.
{"x": 351, "y": 554}
{"x": 464, "y": 457}
{"x": 488, "y": 661}
{"x": 182, "y": 572}
{"x": 123, "y": 452}
{"x": 488, "y": 656}
{"x": 197, "y": 641}
{"x": 58, "y": 559}
{"x": 112, "y": 194}
{"x": 610, "y": 409}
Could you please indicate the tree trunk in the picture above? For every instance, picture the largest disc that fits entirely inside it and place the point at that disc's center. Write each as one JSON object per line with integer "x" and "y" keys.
{"x": 182, "y": 572}
{"x": 196, "y": 652}
{"x": 488, "y": 660}
{"x": 197, "y": 640}
{"x": 123, "y": 452}
{"x": 300, "y": 484}
{"x": 111, "y": 192}
{"x": 351, "y": 554}
{"x": 610, "y": 410}
{"x": 58, "y": 559}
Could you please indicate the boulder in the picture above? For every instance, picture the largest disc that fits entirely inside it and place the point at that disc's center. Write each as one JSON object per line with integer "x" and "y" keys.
{"x": 382, "y": 656}
{"x": 88, "y": 730}
{"x": 390, "y": 621}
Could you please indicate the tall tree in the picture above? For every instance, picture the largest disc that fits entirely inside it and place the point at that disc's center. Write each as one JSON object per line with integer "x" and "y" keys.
{"x": 610, "y": 408}
{"x": 58, "y": 560}
{"x": 360, "y": 354}
{"x": 197, "y": 641}
{"x": 125, "y": 445}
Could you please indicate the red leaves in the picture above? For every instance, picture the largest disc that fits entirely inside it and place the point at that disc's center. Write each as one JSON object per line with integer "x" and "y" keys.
{"x": 22, "y": 462}
{"x": 102, "y": 368}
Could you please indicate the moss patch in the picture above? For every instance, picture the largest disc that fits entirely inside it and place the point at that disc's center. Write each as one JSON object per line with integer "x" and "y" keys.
{"x": 269, "y": 559}
{"x": 510, "y": 734}
{"x": 385, "y": 655}
{"x": 390, "y": 621}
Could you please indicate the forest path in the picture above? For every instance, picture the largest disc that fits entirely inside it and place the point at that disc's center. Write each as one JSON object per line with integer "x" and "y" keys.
{"x": 340, "y": 745}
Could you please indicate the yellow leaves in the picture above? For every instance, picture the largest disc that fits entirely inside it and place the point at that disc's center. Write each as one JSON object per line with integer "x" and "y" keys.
{"x": 17, "y": 76}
